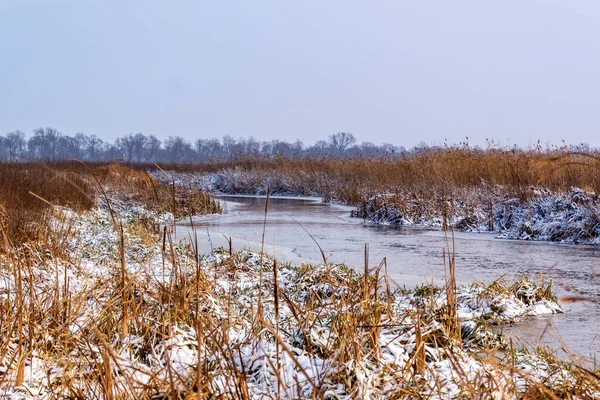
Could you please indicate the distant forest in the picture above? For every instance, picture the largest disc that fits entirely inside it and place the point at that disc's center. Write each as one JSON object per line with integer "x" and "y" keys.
{"x": 48, "y": 144}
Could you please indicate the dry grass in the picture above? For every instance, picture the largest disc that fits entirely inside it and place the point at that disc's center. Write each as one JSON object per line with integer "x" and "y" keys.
{"x": 30, "y": 190}
{"x": 183, "y": 327}
{"x": 113, "y": 314}
{"x": 443, "y": 171}
{"x": 137, "y": 186}
{"x": 27, "y": 190}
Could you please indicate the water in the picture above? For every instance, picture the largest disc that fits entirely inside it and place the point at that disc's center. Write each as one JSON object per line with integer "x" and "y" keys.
{"x": 295, "y": 225}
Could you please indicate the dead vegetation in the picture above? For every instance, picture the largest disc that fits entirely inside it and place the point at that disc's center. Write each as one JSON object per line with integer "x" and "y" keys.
{"x": 521, "y": 194}
{"x": 129, "y": 314}
{"x": 30, "y": 190}
{"x": 443, "y": 171}
{"x": 123, "y": 312}
{"x": 27, "y": 192}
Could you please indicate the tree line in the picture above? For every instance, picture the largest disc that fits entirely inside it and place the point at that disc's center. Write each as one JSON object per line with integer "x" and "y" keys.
{"x": 48, "y": 144}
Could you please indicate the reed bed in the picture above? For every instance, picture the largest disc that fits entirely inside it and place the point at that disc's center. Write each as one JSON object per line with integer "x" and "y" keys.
{"x": 30, "y": 190}
{"x": 440, "y": 170}
{"x": 106, "y": 305}
{"x": 126, "y": 313}
{"x": 520, "y": 194}
{"x": 27, "y": 190}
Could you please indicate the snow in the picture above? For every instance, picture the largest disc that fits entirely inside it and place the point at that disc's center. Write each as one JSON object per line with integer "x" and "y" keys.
{"x": 573, "y": 217}
{"x": 307, "y": 353}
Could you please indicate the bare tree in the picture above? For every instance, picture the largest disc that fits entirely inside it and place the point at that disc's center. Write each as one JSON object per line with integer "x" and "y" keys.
{"x": 48, "y": 144}
{"x": 15, "y": 145}
{"x": 151, "y": 148}
{"x": 68, "y": 147}
{"x": 138, "y": 144}
{"x": 319, "y": 149}
{"x": 266, "y": 149}
{"x": 282, "y": 149}
{"x": 127, "y": 146}
{"x": 4, "y": 153}
{"x": 252, "y": 147}
{"x": 178, "y": 150}
{"x": 228, "y": 146}
{"x": 298, "y": 148}
{"x": 208, "y": 149}
{"x": 44, "y": 143}
{"x": 94, "y": 149}
{"x": 340, "y": 142}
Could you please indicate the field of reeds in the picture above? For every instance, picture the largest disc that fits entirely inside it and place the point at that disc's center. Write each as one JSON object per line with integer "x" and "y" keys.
{"x": 520, "y": 194}
{"x": 98, "y": 301}
{"x": 441, "y": 170}
{"x": 31, "y": 190}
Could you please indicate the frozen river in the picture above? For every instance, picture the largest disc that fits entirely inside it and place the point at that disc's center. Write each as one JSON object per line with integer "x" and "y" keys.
{"x": 415, "y": 255}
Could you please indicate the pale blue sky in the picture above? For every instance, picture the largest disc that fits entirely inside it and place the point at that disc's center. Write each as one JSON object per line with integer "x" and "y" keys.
{"x": 395, "y": 71}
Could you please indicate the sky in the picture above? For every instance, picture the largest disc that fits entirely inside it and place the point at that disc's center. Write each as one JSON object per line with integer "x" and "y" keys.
{"x": 404, "y": 72}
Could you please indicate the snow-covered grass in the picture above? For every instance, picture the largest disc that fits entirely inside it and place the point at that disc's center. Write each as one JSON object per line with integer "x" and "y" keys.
{"x": 513, "y": 210}
{"x": 240, "y": 181}
{"x": 444, "y": 170}
{"x": 573, "y": 217}
{"x": 29, "y": 190}
{"x": 130, "y": 314}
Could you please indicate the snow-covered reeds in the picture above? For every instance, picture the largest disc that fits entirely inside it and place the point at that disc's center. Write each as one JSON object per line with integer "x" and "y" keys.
{"x": 538, "y": 194}
{"x": 115, "y": 309}
{"x": 29, "y": 190}
{"x": 187, "y": 325}
{"x": 439, "y": 170}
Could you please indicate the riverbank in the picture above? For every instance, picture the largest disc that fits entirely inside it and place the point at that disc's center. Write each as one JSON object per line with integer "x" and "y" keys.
{"x": 413, "y": 255}
{"x": 135, "y": 314}
{"x": 534, "y": 213}
{"x": 573, "y": 217}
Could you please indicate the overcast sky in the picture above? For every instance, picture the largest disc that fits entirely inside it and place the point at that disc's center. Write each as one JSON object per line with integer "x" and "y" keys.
{"x": 387, "y": 71}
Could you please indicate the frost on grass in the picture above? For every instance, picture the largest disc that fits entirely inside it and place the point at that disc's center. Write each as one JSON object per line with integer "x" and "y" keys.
{"x": 574, "y": 218}
{"x": 571, "y": 218}
{"x": 535, "y": 214}
{"x": 237, "y": 180}
{"x": 157, "y": 320}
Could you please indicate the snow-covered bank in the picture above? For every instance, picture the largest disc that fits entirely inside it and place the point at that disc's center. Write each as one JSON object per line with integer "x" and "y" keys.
{"x": 156, "y": 319}
{"x": 237, "y": 181}
{"x": 534, "y": 214}
{"x": 570, "y": 218}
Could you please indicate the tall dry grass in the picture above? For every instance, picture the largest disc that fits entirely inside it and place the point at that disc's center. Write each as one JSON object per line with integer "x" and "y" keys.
{"x": 110, "y": 333}
{"x": 30, "y": 190}
{"x": 109, "y": 340}
{"x": 444, "y": 170}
